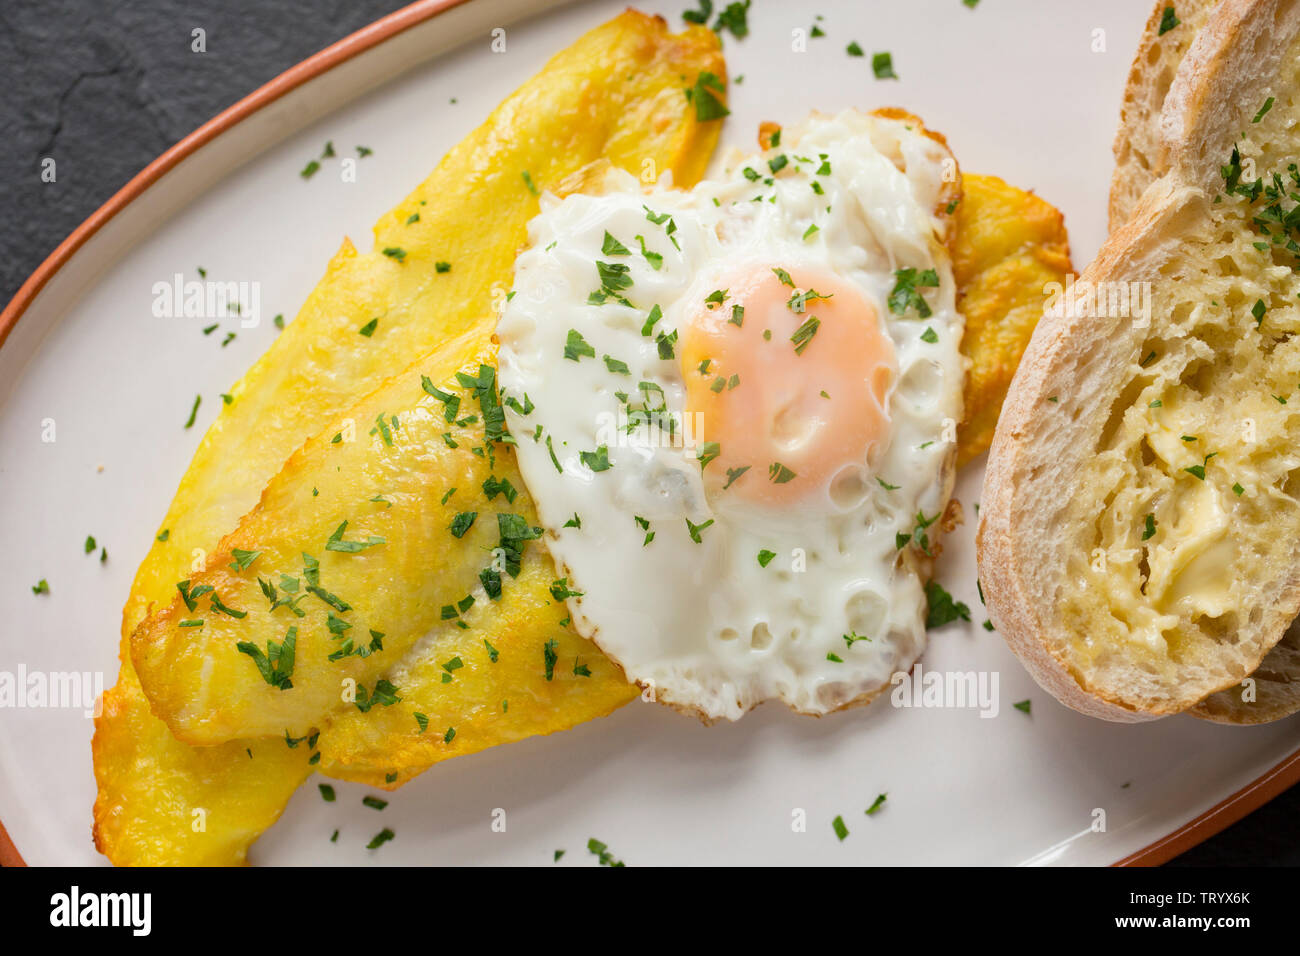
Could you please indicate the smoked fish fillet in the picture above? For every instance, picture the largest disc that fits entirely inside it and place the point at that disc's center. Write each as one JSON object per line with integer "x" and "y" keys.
{"x": 617, "y": 93}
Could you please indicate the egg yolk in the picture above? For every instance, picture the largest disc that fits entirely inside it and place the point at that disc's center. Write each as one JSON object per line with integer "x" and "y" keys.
{"x": 786, "y": 385}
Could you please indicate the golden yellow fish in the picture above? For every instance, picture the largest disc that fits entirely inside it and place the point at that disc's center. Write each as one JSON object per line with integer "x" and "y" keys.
{"x": 617, "y": 93}
{"x": 1010, "y": 244}
{"x": 359, "y": 547}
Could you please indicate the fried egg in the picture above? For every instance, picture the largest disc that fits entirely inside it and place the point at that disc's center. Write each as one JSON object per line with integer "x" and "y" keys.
{"x": 736, "y": 406}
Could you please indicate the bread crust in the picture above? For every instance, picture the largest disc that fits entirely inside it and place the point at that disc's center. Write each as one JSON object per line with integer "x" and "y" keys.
{"x": 1276, "y": 686}
{"x": 1007, "y": 563}
{"x": 1139, "y": 150}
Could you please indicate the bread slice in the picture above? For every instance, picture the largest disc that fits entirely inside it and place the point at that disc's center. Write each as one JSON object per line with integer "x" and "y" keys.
{"x": 1139, "y": 152}
{"x": 1139, "y": 543}
{"x": 1140, "y": 159}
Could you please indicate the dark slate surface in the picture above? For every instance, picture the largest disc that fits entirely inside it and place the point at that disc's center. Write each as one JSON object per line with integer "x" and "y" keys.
{"x": 104, "y": 86}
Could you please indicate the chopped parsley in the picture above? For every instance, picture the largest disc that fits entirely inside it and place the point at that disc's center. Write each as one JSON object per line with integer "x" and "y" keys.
{"x": 336, "y": 542}
{"x": 384, "y": 694}
{"x": 1198, "y": 471}
{"x": 612, "y": 247}
{"x": 734, "y": 17}
{"x": 701, "y": 96}
{"x": 906, "y": 294}
{"x": 493, "y": 486}
{"x": 665, "y": 220}
{"x": 654, "y": 315}
{"x": 655, "y": 260}
{"x": 733, "y": 474}
{"x": 276, "y": 664}
{"x": 597, "y": 460}
{"x": 666, "y": 344}
{"x": 575, "y": 347}
{"x": 803, "y": 335}
{"x": 243, "y": 559}
{"x": 942, "y": 608}
{"x": 694, "y": 529}
{"x": 697, "y": 16}
{"x": 882, "y": 64}
{"x": 549, "y": 657}
{"x": 614, "y": 278}
{"x": 560, "y": 590}
{"x": 451, "y": 403}
{"x": 463, "y": 521}
{"x": 598, "y": 849}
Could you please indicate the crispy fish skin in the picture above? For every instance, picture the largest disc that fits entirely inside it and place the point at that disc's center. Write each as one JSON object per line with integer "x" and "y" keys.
{"x": 616, "y": 93}
{"x": 1009, "y": 245}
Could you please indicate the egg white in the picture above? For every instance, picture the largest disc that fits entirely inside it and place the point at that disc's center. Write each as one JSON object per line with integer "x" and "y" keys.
{"x": 702, "y": 624}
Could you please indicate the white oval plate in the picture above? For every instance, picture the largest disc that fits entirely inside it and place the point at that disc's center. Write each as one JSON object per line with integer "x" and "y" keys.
{"x": 1025, "y": 90}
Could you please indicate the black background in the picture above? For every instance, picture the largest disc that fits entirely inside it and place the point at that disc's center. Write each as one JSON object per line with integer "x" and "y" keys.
{"x": 104, "y": 87}
{"x": 1088, "y": 902}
